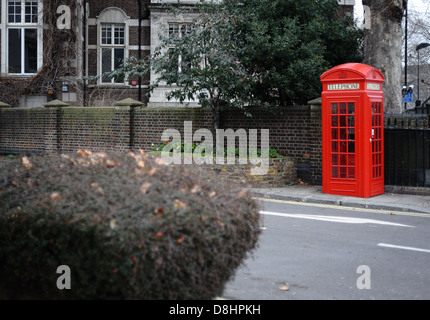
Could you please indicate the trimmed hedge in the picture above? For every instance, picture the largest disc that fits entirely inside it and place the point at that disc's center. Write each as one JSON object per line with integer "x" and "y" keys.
{"x": 128, "y": 226}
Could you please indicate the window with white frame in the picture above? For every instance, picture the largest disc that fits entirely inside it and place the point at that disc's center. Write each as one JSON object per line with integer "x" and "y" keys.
{"x": 23, "y": 33}
{"x": 112, "y": 44}
{"x": 177, "y": 30}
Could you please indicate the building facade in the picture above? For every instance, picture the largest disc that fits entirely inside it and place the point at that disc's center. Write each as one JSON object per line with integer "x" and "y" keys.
{"x": 47, "y": 48}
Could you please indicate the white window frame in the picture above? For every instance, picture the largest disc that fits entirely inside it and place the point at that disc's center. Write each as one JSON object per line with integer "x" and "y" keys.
{"x": 4, "y": 29}
{"x": 181, "y": 28}
{"x": 112, "y": 46}
{"x": 111, "y": 16}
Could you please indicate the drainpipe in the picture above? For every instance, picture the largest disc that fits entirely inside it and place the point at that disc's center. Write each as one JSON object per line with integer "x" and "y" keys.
{"x": 84, "y": 58}
{"x": 141, "y": 18}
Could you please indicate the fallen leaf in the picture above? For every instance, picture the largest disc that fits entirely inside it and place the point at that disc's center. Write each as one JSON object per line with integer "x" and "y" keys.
{"x": 55, "y": 196}
{"x": 15, "y": 182}
{"x": 160, "y": 161}
{"x": 242, "y": 193}
{"x": 180, "y": 240}
{"x": 159, "y": 235}
{"x": 144, "y": 188}
{"x": 27, "y": 164}
{"x": 159, "y": 211}
{"x": 85, "y": 153}
{"x": 96, "y": 186}
{"x": 212, "y": 194}
{"x": 112, "y": 223}
{"x": 196, "y": 189}
{"x": 110, "y": 163}
{"x": 141, "y": 164}
{"x": 284, "y": 287}
{"x": 180, "y": 204}
{"x": 152, "y": 172}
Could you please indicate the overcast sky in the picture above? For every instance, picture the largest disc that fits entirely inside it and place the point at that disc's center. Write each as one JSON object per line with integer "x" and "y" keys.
{"x": 421, "y": 6}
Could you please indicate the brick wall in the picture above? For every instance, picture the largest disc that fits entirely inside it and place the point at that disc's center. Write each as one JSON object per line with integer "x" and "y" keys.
{"x": 296, "y": 132}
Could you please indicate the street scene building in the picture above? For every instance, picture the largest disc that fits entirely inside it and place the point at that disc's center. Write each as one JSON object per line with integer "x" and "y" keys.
{"x": 47, "y": 47}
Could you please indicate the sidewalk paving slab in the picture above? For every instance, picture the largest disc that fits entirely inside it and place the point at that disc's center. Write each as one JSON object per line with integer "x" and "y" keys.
{"x": 389, "y": 201}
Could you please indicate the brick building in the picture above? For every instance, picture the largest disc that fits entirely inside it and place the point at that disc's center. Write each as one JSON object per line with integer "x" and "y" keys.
{"x": 48, "y": 46}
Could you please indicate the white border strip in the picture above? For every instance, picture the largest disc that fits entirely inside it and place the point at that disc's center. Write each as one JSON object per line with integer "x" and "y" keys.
{"x": 402, "y": 248}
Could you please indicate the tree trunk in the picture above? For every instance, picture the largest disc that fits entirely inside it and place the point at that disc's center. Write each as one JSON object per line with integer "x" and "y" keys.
{"x": 383, "y": 44}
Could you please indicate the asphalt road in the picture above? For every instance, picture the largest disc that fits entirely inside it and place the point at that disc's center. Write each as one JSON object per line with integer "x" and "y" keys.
{"x": 326, "y": 253}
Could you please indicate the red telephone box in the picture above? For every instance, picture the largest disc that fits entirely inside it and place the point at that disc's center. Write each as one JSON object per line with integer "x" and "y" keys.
{"x": 353, "y": 131}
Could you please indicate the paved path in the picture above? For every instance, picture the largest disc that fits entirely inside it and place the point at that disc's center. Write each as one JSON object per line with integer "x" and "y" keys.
{"x": 313, "y": 194}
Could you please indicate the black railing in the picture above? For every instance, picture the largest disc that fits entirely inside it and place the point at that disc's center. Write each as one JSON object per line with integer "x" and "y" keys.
{"x": 407, "y": 151}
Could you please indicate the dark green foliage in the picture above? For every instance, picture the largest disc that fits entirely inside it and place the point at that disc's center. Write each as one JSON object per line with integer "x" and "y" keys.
{"x": 290, "y": 43}
{"x": 128, "y": 227}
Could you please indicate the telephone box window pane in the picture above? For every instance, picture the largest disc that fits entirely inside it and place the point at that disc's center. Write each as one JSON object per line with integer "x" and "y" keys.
{"x": 351, "y": 173}
{"x": 342, "y": 121}
{"x": 342, "y": 146}
{"x": 334, "y": 109}
{"x": 351, "y": 121}
{"x": 343, "y": 171}
{"x": 335, "y": 172}
{"x": 343, "y": 159}
{"x": 343, "y": 135}
{"x": 334, "y": 160}
{"x": 334, "y": 135}
{"x": 15, "y": 50}
{"x": 30, "y": 50}
{"x": 351, "y": 147}
{"x": 351, "y": 160}
{"x": 351, "y": 134}
{"x": 334, "y": 147}
{"x": 334, "y": 121}
{"x": 342, "y": 108}
{"x": 351, "y": 108}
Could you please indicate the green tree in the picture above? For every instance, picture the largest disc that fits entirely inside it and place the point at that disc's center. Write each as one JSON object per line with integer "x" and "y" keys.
{"x": 291, "y": 43}
{"x": 245, "y": 53}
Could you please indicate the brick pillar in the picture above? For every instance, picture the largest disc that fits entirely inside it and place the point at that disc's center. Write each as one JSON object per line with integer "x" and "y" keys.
{"x": 2, "y": 107}
{"x": 129, "y": 106}
{"x": 53, "y": 118}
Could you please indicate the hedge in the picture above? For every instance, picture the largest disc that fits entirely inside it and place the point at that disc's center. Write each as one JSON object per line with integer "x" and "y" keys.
{"x": 127, "y": 226}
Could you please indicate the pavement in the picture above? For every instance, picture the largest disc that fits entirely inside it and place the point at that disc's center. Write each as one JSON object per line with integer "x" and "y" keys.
{"x": 394, "y": 199}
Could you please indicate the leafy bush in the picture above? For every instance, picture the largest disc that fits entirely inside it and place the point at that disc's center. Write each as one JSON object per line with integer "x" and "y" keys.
{"x": 273, "y": 153}
{"x": 128, "y": 226}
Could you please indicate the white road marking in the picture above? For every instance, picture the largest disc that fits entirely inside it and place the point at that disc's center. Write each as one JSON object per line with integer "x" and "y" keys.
{"x": 333, "y": 219}
{"x": 403, "y": 248}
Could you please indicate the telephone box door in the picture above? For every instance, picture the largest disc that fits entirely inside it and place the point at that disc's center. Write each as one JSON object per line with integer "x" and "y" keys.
{"x": 341, "y": 146}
